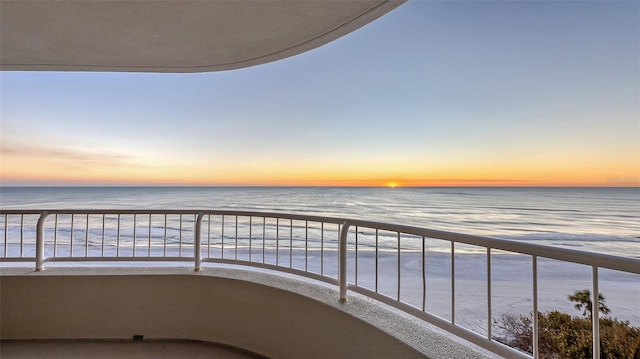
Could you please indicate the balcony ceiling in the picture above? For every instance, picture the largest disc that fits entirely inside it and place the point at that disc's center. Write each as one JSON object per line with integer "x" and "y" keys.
{"x": 171, "y": 36}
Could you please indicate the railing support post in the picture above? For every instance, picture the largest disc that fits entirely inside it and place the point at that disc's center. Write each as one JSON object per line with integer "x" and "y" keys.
{"x": 536, "y": 352}
{"x": 342, "y": 257}
{"x": 40, "y": 242}
{"x": 595, "y": 314}
{"x": 197, "y": 253}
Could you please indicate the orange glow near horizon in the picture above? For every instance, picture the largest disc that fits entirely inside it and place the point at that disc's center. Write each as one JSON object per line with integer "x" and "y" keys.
{"x": 56, "y": 167}
{"x": 43, "y": 171}
{"x": 21, "y": 181}
{"x": 175, "y": 179}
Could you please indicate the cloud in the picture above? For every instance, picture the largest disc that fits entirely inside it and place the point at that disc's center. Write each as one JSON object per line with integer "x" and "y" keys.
{"x": 68, "y": 156}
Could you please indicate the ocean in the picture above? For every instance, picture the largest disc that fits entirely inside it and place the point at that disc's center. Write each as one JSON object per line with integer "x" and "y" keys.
{"x": 603, "y": 220}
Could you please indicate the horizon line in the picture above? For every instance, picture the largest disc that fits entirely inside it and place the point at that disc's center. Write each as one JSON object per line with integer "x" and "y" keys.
{"x": 312, "y": 186}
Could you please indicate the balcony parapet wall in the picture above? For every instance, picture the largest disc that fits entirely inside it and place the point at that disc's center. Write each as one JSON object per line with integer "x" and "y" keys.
{"x": 271, "y": 315}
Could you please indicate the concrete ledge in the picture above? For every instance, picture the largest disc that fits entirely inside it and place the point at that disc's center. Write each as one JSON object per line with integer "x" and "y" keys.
{"x": 272, "y": 315}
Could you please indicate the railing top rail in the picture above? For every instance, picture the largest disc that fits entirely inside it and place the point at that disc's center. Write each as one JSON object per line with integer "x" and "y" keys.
{"x": 626, "y": 264}
{"x": 179, "y": 211}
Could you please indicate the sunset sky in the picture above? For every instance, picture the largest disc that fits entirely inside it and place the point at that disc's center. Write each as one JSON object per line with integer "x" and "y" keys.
{"x": 489, "y": 93}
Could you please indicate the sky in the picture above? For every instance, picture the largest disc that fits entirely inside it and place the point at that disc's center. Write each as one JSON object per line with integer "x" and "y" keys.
{"x": 435, "y": 93}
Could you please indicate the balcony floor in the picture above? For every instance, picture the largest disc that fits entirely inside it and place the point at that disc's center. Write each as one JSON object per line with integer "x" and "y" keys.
{"x": 102, "y": 349}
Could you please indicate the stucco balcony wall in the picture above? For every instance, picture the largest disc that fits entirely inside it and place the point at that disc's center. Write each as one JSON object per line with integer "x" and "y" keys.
{"x": 266, "y": 314}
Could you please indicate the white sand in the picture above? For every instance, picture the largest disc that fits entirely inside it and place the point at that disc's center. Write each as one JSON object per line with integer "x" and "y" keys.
{"x": 511, "y": 286}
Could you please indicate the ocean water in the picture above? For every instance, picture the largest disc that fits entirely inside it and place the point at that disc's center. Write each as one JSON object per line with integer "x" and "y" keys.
{"x": 603, "y": 220}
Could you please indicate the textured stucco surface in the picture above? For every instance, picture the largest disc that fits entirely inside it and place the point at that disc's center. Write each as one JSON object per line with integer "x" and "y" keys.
{"x": 257, "y": 311}
{"x": 171, "y": 36}
{"x": 121, "y": 349}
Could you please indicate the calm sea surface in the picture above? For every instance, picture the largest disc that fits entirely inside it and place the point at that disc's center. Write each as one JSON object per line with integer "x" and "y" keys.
{"x": 604, "y": 220}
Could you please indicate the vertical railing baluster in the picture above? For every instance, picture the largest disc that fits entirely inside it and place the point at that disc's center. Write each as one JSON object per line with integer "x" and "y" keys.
{"x": 250, "y": 238}
{"x": 399, "y": 266}
{"x": 71, "y": 238}
{"x": 277, "y": 240}
{"x": 488, "y": 293}
{"x": 236, "y": 248}
{"x": 6, "y": 235}
{"x": 209, "y": 235}
{"x": 290, "y": 243}
{"x": 149, "y": 252}
{"x": 536, "y": 353}
{"x": 342, "y": 259}
{"x": 377, "y": 260}
{"x": 40, "y": 242}
{"x": 321, "y": 248}
{"x": 55, "y": 236}
{"x": 134, "y": 234}
{"x": 424, "y": 277}
{"x": 453, "y": 284}
{"x": 21, "y": 234}
{"x": 197, "y": 242}
{"x": 356, "y": 256}
{"x": 102, "y": 240}
{"x": 86, "y": 237}
{"x": 164, "y": 250}
{"x": 595, "y": 313}
{"x": 222, "y": 238}
{"x": 264, "y": 237}
{"x": 306, "y": 246}
{"x": 339, "y": 232}
{"x": 180, "y": 238}
{"x": 118, "y": 238}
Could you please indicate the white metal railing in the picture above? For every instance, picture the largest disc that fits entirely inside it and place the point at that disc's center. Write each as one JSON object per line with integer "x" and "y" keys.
{"x": 321, "y": 248}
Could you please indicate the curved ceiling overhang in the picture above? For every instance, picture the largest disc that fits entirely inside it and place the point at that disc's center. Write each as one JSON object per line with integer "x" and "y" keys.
{"x": 171, "y": 36}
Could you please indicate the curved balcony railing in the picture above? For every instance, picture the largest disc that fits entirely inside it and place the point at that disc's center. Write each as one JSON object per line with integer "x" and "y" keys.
{"x": 387, "y": 262}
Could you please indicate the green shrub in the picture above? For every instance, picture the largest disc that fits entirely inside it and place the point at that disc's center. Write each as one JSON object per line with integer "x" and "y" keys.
{"x": 563, "y": 336}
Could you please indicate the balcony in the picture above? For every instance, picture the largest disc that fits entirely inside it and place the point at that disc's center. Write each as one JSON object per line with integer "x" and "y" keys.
{"x": 279, "y": 285}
